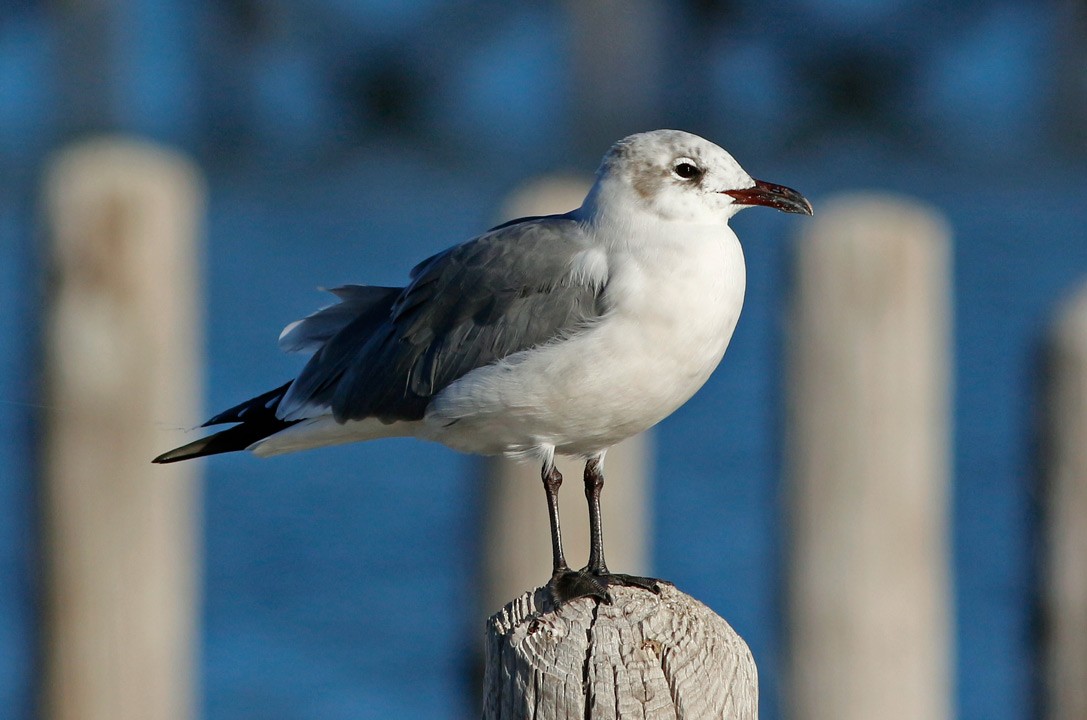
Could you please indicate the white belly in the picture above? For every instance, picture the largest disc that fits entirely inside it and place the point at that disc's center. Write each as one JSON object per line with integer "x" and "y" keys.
{"x": 671, "y": 316}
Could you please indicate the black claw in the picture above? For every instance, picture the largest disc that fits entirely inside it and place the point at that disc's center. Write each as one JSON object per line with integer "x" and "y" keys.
{"x": 567, "y": 585}
{"x": 621, "y": 580}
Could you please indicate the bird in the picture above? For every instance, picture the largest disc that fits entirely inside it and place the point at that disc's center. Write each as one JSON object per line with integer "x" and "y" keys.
{"x": 546, "y": 335}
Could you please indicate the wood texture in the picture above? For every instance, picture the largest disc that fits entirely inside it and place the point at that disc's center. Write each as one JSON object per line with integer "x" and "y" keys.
{"x": 869, "y": 588}
{"x": 1065, "y": 591}
{"x": 645, "y": 656}
{"x": 122, "y": 382}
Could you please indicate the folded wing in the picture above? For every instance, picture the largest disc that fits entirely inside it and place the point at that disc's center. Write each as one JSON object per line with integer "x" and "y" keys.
{"x": 517, "y": 287}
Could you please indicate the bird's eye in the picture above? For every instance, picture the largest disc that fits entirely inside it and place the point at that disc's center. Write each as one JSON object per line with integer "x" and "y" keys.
{"x": 687, "y": 171}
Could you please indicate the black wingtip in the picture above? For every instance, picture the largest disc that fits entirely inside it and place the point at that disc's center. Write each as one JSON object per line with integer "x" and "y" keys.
{"x": 256, "y": 420}
{"x": 252, "y": 408}
{"x": 232, "y": 439}
{"x": 195, "y": 449}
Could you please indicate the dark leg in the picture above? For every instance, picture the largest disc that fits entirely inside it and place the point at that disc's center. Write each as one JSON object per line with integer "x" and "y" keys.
{"x": 594, "y": 484}
{"x": 552, "y": 481}
{"x": 565, "y": 584}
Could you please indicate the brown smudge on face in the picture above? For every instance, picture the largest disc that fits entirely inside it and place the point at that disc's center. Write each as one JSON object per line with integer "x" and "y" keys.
{"x": 649, "y": 179}
{"x": 646, "y": 179}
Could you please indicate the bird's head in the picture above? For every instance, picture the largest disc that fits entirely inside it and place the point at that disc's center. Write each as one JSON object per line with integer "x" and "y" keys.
{"x": 678, "y": 176}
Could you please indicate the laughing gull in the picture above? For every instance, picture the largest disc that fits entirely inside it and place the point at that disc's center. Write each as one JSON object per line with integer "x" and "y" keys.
{"x": 557, "y": 334}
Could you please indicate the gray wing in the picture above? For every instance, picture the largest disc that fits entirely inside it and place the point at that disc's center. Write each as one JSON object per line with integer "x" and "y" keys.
{"x": 474, "y": 304}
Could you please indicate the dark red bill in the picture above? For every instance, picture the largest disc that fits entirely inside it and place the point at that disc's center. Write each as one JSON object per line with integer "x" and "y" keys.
{"x": 771, "y": 195}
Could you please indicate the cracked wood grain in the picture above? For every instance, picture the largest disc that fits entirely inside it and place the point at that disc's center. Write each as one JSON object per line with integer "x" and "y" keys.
{"x": 644, "y": 656}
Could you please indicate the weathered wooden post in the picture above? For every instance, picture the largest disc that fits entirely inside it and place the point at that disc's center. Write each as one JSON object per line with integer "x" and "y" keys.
{"x": 643, "y": 656}
{"x": 121, "y": 349}
{"x": 1065, "y": 462}
{"x": 516, "y": 554}
{"x": 869, "y": 605}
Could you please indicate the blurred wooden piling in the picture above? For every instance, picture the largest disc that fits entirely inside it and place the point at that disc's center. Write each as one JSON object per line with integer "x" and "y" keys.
{"x": 1065, "y": 462}
{"x": 121, "y": 360}
{"x": 516, "y": 550}
{"x": 1067, "y": 103}
{"x": 644, "y": 656}
{"x": 618, "y": 52}
{"x": 870, "y": 600}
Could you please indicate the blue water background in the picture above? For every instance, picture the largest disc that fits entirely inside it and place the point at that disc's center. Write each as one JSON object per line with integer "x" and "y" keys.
{"x": 340, "y": 541}
{"x": 339, "y": 583}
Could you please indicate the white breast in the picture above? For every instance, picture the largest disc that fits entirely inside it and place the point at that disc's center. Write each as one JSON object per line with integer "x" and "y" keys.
{"x": 673, "y": 305}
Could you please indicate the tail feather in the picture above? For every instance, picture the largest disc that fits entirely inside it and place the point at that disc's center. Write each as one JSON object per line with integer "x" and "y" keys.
{"x": 257, "y": 418}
